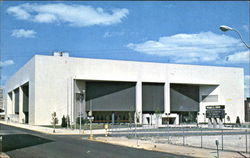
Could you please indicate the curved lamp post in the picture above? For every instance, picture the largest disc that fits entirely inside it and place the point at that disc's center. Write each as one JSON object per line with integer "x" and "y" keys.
{"x": 225, "y": 28}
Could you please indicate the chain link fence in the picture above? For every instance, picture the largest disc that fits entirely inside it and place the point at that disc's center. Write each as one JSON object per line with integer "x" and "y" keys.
{"x": 236, "y": 139}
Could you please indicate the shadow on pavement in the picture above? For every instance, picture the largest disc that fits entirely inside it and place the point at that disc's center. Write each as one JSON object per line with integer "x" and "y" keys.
{"x": 17, "y": 141}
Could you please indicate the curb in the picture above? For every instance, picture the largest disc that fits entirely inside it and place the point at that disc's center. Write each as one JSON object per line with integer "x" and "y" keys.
{"x": 24, "y": 128}
{"x": 40, "y": 131}
{"x": 107, "y": 142}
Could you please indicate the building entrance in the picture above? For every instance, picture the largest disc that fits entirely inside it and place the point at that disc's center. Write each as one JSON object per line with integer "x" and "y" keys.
{"x": 187, "y": 117}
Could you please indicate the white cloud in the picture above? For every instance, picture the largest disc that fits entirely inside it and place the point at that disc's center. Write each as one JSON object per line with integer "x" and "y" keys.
{"x": 239, "y": 57}
{"x": 19, "y": 13}
{"x": 23, "y": 33}
{"x": 6, "y": 63}
{"x": 112, "y": 34}
{"x": 247, "y": 85}
{"x": 201, "y": 47}
{"x": 74, "y": 15}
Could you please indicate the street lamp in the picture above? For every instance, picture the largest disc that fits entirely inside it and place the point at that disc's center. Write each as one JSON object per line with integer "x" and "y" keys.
{"x": 225, "y": 28}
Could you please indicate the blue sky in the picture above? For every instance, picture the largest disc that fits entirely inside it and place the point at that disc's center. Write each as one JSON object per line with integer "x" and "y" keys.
{"x": 168, "y": 32}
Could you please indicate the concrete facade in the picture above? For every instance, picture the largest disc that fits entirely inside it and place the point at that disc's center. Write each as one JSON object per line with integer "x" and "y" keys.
{"x": 51, "y": 85}
{"x": 1, "y": 98}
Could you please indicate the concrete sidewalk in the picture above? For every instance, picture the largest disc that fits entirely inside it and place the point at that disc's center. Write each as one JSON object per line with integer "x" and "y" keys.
{"x": 169, "y": 148}
{"x": 60, "y": 131}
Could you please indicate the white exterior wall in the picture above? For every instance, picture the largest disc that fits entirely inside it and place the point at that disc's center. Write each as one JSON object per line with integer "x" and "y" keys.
{"x": 21, "y": 114}
{"x": 22, "y": 76}
{"x": 53, "y": 77}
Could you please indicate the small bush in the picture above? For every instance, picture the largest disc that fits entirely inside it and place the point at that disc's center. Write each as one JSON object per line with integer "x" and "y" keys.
{"x": 238, "y": 120}
{"x": 64, "y": 122}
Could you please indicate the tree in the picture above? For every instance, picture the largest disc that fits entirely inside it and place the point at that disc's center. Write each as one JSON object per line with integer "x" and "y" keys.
{"x": 238, "y": 120}
{"x": 228, "y": 119}
{"x": 64, "y": 122}
{"x": 54, "y": 121}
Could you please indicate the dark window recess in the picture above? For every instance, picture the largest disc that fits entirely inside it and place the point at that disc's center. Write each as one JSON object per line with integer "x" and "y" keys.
{"x": 16, "y": 95}
{"x": 184, "y": 97}
{"x": 110, "y": 96}
{"x": 25, "y": 98}
{"x": 152, "y": 97}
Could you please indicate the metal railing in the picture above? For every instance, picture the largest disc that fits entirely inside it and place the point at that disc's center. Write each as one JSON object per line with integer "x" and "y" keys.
{"x": 237, "y": 139}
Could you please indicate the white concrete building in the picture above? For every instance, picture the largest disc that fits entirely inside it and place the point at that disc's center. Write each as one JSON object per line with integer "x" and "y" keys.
{"x": 115, "y": 89}
{"x": 1, "y": 98}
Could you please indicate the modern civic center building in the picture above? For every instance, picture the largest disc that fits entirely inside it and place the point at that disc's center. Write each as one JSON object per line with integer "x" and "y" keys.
{"x": 116, "y": 91}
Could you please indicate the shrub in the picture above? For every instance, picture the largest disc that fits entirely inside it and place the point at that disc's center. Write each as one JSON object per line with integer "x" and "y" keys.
{"x": 64, "y": 122}
{"x": 238, "y": 120}
{"x": 228, "y": 118}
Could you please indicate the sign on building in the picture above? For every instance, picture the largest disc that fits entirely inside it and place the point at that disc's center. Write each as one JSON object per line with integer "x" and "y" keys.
{"x": 215, "y": 111}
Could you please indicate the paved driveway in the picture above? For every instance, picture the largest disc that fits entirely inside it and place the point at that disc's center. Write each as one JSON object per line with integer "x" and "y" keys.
{"x": 23, "y": 143}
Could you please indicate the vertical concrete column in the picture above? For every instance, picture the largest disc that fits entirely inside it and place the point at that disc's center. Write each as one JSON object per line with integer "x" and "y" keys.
{"x": 68, "y": 97}
{"x": 138, "y": 99}
{"x": 20, "y": 104}
{"x": 9, "y": 105}
{"x": 167, "y": 97}
{"x": 72, "y": 100}
{"x": 113, "y": 118}
{"x": 13, "y": 102}
{"x": 210, "y": 123}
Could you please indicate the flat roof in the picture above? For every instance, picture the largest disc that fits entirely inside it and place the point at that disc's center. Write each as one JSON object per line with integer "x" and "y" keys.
{"x": 144, "y": 62}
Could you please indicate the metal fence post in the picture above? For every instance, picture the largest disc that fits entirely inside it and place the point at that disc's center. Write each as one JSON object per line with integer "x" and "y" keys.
{"x": 1, "y": 142}
{"x": 217, "y": 147}
{"x": 222, "y": 143}
{"x": 246, "y": 141}
{"x": 183, "y": 136}
{"x": 201, "y": 137}
{"x": 113, "y": 130}
{"x": 168, "y": 132}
